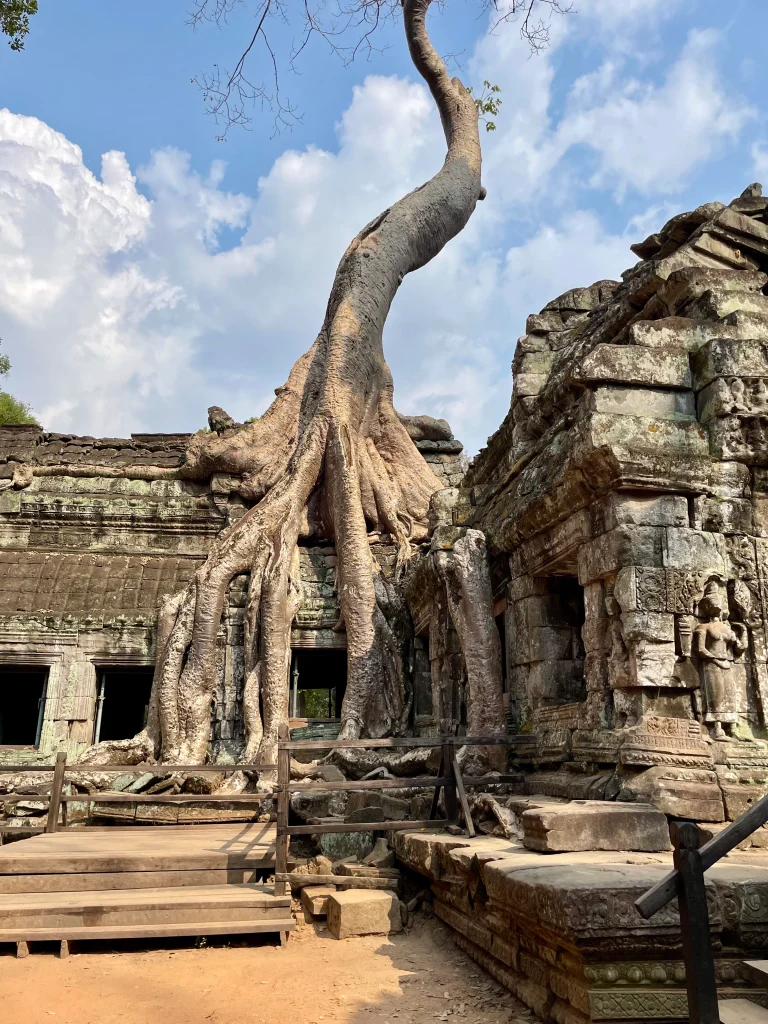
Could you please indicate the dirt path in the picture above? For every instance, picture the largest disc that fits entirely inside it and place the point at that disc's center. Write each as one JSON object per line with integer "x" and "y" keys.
{"x": 406, "y": 979}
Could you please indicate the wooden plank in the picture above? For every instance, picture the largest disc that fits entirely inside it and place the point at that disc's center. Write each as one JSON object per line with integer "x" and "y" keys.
{"x": 298, "y": 881}
{"x": 425, "y": 782}
{"x": 147, "y": 931}
{"x": 401, "y": 741}
{"x": 163, "y": 798}
{"x": 56, "y": 789}
{"x": 79, "y": 881}
{"x": 449, "y": 790}
{"x": 140, "y": 769}
{"x": 359, "y": 826}
{"x": 282, "y": 840}
{"x": 665, "y": 890}
{"x": 257, "y": 894}
{"x": 463, "y": 797}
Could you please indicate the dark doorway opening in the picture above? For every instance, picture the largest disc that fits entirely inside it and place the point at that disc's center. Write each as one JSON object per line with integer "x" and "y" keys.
{"x": 122, "y": 702}
{"x": 318, "y": 681}
{"x": 22, "y": 701}
{"x": 501, "y": 626}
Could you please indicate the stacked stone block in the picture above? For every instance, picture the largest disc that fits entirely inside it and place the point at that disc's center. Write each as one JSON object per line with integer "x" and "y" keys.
{"x": 632, "y": 467}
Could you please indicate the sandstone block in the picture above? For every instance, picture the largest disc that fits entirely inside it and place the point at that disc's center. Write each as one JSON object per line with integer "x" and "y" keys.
{"x": 595, "y": 825}
{"x": 363, "y": 912}
{"x": 635, "y": 364}
{"x": 314, "y": 898}
{"x": 685, "y": 793}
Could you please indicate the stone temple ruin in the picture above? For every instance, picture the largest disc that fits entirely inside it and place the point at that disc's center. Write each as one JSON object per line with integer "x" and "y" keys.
{"x": 624, "y": 506}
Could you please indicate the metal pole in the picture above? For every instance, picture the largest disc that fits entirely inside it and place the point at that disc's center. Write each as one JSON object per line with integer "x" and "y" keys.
{"x": 295, "y": 692}
{"x": 99, "y": 710}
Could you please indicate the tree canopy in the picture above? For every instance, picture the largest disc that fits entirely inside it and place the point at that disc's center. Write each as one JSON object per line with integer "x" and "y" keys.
{"x": 12, "y": 411}
{"x": 14, "y": 20}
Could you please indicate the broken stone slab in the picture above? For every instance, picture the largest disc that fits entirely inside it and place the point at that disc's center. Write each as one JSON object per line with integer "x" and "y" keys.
{"x": 314, "y": 899}
{"x": 595, "y": 825}
{"x": 679, "y": 792}
{"x": 363, "y": 912}
{"x": 381, "y": 856}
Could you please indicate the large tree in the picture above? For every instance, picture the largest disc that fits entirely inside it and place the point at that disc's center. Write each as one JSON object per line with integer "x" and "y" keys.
{"x": 330, "y": 458}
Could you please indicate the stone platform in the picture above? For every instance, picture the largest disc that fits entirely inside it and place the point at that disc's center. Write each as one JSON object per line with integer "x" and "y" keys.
{"x": 561, "y": 932}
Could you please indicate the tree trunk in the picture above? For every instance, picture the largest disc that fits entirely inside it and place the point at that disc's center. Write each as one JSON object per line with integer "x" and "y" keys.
{"x": 330, "y": 457}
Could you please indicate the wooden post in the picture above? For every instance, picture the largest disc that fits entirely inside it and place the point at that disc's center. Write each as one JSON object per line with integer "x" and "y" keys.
{"x": 282, "y": 839}
{"x": 694, "y": 925}
{"x": 441, "y": 771}
{"x": 57, "y": 786}
{"x": 449, "y": 790}
{"x": 462, "y": 795}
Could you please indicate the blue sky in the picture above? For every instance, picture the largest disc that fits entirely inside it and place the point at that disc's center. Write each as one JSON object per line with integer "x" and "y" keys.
{"x": 187, "y": 272}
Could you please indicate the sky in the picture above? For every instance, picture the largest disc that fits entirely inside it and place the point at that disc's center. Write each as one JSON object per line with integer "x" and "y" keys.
{"x": 148, "y": 270}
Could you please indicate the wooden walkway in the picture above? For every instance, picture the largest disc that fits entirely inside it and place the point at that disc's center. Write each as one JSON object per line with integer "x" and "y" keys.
{"x": 140, "y": 882}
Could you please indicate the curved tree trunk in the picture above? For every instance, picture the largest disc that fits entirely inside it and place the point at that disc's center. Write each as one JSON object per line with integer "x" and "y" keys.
{"x": 330, "y": 456}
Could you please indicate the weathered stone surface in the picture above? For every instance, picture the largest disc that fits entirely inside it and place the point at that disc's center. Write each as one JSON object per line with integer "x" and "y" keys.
{"x": 363, "y": 912}
{"x": 628, "y": 364}
{"x": 595, "y": 825}
{"x": 314, "y": 898}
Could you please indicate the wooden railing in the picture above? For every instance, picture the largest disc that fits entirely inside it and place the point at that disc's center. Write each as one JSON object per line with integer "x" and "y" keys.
{"x": 58, "y": 800}
{"x": 686, "y": 882}
{"x": 449, "y": 779}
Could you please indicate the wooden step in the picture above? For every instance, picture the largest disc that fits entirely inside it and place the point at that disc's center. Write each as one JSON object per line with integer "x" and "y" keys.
{"x": 186, "y": 910}
{"x": 741, "y": 1011}
{"x": 81, "y": 881}
{"x": 199, "y": 848}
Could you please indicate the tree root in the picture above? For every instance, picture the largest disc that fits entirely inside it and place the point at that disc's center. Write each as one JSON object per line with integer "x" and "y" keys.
{"x": 329, "y": 459}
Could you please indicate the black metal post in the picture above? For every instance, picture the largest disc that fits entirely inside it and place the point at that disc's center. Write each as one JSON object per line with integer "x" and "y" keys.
{"x": 694, "y": 925}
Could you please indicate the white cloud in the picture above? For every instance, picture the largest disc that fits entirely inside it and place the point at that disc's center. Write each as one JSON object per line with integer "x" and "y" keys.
{"x": 648, "y": 136}
{"x": 132, "y": 302}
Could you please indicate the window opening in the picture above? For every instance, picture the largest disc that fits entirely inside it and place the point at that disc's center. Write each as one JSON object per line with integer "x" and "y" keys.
{"x": 122, "y": 701}
{"x": 23, "y": 690}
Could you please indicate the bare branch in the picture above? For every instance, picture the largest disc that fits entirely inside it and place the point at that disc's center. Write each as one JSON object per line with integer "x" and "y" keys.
{"x": 348, "y": 28}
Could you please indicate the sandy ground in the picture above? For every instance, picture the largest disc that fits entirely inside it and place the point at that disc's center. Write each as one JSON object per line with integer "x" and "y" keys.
{"x": 403, "y": 979}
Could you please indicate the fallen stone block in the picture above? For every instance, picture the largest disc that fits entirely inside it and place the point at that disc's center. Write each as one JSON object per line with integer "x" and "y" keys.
{"x": 366, "y": 814}
{"x": 595, "y": 825}
{"x": 363, "y": 912}
{"x": 314, "y": 898}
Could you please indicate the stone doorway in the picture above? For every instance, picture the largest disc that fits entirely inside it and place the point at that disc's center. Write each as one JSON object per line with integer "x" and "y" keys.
{"x": 318, "y": 681}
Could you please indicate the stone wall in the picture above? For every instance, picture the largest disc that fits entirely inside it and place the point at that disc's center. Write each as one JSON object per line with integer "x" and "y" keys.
{"x": 87, "y": 558}
{"x": 624, "y": 504}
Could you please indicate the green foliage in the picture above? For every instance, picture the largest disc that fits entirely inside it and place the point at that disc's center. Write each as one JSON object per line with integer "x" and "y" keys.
{"x": 488, "y": 103}
{"x": 316, "y": 703}
{"x": 14, "y": 20}
{"x": 12, "y": 411}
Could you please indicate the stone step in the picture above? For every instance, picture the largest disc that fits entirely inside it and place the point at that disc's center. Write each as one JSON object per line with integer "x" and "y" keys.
{"x": 757, "y": 971}
{"x": 741, "y": 1011}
